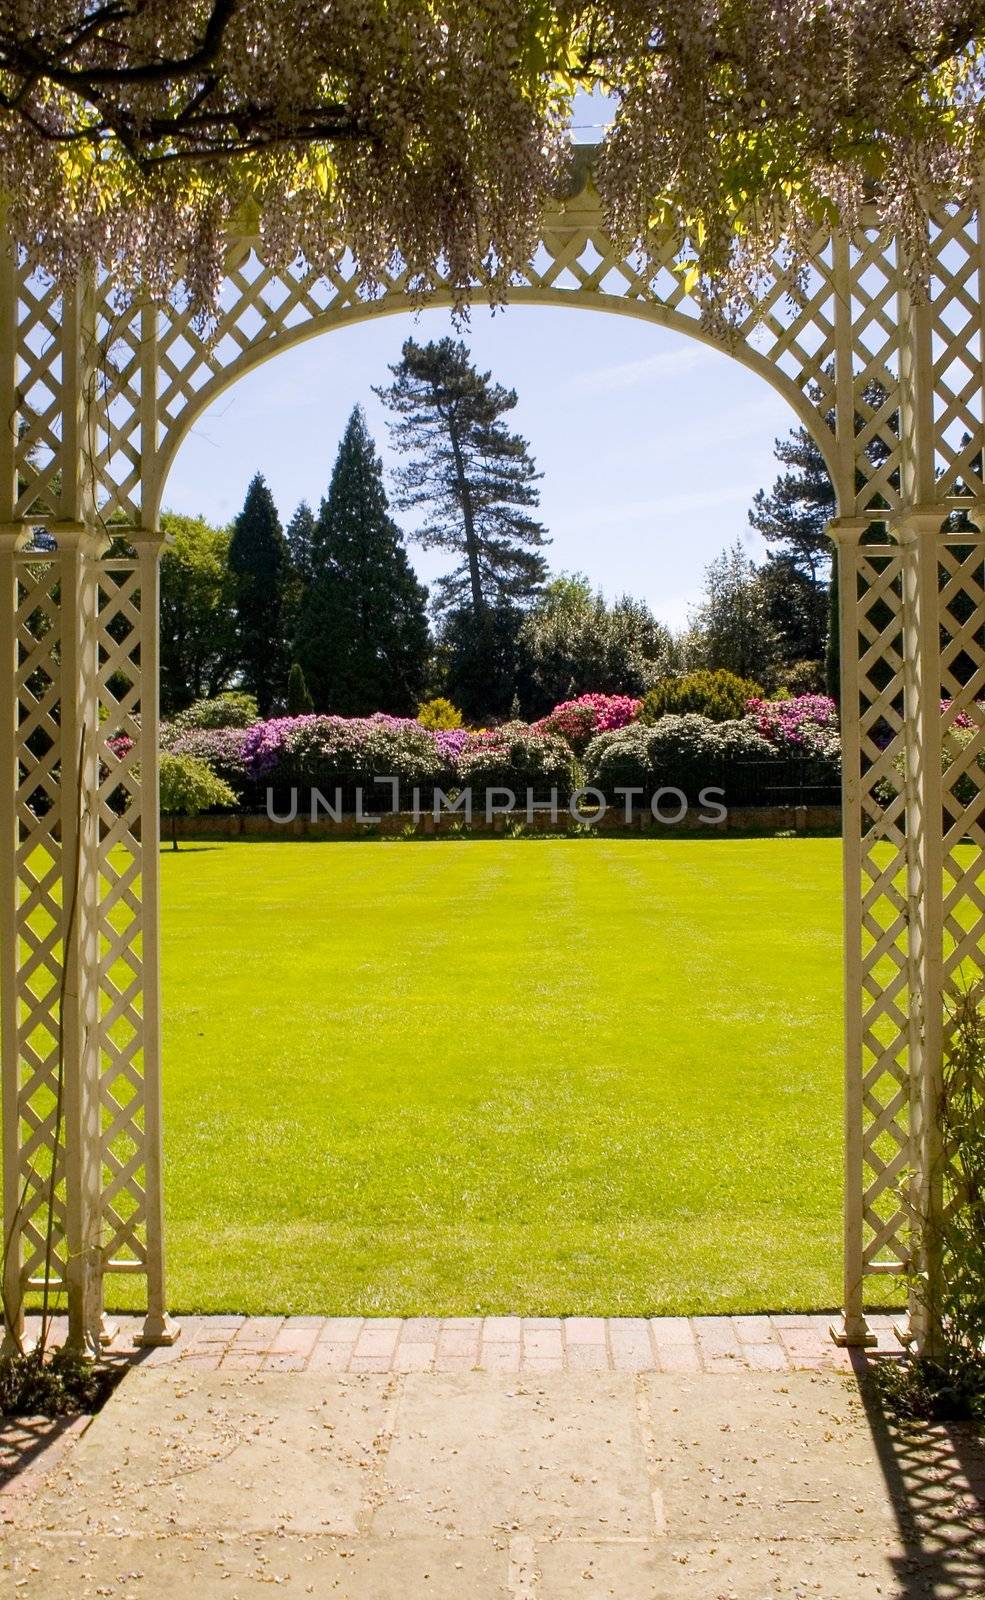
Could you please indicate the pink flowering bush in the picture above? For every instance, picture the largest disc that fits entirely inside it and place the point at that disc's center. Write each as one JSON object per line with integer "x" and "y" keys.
{"x": 580, "y": 720}
{"x": 121, "y": 744}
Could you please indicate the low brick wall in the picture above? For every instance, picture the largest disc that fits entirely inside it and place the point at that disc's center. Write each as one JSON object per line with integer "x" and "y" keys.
{"x": 741, "y": 819}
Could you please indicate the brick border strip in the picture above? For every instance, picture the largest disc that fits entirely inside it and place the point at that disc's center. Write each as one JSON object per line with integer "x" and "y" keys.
{"x": 527, "y": 1345}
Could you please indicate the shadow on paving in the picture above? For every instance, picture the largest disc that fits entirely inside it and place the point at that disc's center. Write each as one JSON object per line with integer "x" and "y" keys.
{"x": 935, "y": 1478}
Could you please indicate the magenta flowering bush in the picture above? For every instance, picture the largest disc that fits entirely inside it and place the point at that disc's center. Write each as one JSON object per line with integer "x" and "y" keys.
{"x": 120, "y": 744}
{"x": 580, "y": 720}
{"x": 806, "y": 724}
{"x": 961, "y": 719}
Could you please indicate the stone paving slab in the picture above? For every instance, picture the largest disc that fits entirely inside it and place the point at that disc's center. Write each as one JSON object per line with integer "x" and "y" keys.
{"x": 792, "y": 1571}
{"x": 483, "y": 1486}
{"x": 779, "y": 1460}
{"x": 476, "y": 1455}
{"x": 259, "y": 1454}
{"x": 183, "y": 1567}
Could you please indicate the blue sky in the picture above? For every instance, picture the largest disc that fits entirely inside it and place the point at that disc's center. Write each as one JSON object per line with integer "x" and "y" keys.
{"x": 651, "y": 443}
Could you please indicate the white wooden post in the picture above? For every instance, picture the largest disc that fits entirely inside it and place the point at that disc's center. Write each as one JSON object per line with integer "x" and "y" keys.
{"x": 13, "y": 1285}
{"x": 158, "y": 1329}
{"x": 919, "y": 534}
{"x": 78, "y": 550}
{"x": 847, "y": 533}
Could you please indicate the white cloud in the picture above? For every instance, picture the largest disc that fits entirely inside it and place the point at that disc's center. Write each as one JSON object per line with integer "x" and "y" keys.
{"x": 630, "y": 374}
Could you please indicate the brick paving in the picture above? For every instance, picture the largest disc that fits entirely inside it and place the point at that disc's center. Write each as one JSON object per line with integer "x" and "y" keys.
{"x": 521, "y": 1345}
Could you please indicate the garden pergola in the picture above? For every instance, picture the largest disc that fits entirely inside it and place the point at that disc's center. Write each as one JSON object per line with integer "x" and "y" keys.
{"x": 96, "y": 401}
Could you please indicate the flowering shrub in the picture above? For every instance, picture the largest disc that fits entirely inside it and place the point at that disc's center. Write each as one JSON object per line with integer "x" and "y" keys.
{"x": 223, "y": 750}
{"x": 451, "y": 742}
{"x": 264, "y": 745}
{"x": 804, "y": 725}
{"x": 330, "y": 752}
{"x": 579, "y": 720}
{"x": 684, "y": 752}
{"x": 516, "y": 757}
{"x": 961, "y": 719}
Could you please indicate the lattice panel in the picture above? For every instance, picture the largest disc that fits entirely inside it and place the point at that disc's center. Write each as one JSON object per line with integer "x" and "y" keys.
{"x": 875, "y": 341}
{"x": 40, "y": 396}
{"x": 962, "y": 635}
{"x": 39, "y": 913}
{"x": 115, "y": 435}
{"x": 885, "y": 975}
{"x": 121, "y": 976}
{"x": 955, "y": 300}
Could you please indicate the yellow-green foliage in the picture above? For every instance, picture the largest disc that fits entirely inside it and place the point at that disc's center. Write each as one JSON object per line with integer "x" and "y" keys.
{"x": 718, "y": 694}
{"x": 439, "y": 713}
{"x": 188, "y": 786}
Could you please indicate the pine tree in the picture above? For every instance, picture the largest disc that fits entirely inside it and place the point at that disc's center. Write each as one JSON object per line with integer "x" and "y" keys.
{"x": 258, "y": 560}
{"x": 363, "y": 639}
{"x": 793, "y": 517}
{"x": 798, "y": 573}
{"x": 475, "y": 481}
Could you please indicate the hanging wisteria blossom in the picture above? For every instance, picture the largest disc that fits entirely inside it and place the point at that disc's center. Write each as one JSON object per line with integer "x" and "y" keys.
{"x": 429, "y": 134}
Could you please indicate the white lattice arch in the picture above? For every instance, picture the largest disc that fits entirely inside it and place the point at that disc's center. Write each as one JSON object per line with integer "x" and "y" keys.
{"x": 395, "y": 304}
{"x": 95, "y": 403}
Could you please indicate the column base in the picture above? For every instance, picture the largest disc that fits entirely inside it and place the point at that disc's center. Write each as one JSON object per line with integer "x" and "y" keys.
{"x": 12, "y": 1346}
{"x": 158, "y": 1329}
{"x": 853, "y": 1333}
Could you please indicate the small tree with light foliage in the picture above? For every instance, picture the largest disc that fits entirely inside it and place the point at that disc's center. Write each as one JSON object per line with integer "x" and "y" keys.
{"x": 187, "y": 787}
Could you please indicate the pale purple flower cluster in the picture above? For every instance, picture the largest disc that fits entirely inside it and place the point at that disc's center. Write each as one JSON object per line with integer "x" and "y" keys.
{"x": 452, "y": 741}
{"x": 264, "y": 744}
{"x": 222, "y": 749}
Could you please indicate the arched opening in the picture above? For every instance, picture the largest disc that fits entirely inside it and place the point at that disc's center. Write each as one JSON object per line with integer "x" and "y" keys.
{"x": 402, "y": 1146}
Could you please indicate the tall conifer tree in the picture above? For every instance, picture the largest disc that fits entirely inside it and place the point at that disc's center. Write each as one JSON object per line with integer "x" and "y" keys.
{"x": 363, "y": 639}
{"x": 259, "y": 563}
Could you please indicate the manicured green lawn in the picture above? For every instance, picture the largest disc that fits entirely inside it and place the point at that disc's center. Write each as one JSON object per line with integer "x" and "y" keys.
{"x": 593, "y": 1075}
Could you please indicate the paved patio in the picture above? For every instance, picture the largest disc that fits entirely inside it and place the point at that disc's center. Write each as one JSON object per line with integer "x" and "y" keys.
{"x": 496, "y": 1459}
